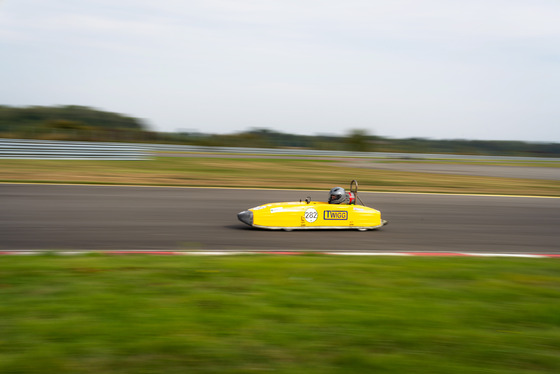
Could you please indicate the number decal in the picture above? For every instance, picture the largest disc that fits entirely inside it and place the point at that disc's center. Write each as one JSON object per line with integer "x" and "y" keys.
{"x": 311, "y": 215}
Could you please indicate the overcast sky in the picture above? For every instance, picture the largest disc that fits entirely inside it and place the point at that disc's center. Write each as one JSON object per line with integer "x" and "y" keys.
{"x": 444, "y": 69}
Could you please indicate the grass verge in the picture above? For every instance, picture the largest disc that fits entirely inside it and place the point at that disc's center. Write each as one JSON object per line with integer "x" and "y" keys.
{"x": 300, "y": 314}
{"x": 260, "y": 172}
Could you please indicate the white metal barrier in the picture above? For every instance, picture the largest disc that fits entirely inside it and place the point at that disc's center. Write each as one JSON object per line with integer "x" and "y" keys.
{"x": 70, "y": 150}
{"x": 51, "y": 149}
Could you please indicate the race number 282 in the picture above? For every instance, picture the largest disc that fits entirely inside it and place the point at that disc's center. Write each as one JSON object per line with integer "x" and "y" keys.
{"x": 311, "y": 215}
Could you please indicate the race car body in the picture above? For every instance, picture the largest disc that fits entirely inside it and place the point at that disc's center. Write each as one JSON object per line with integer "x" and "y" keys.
{"x": 309, "y": 214}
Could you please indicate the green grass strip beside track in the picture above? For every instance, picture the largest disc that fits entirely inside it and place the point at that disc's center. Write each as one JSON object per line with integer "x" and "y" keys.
{"x": 282, "y": 314}
{"x": 261, "y": 173}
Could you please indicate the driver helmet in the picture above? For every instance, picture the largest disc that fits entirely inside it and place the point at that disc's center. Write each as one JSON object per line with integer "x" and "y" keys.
{"x": 337, "y": 195}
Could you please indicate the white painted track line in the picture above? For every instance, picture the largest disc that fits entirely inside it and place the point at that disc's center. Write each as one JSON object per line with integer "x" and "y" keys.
{"x": 231, "y": 253}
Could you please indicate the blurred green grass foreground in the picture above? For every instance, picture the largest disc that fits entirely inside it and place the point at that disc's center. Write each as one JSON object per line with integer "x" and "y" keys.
{"x": 282, "y": 314}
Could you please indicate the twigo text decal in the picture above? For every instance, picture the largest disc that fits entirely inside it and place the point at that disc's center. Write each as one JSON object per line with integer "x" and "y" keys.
{"x": 338, "y": 215}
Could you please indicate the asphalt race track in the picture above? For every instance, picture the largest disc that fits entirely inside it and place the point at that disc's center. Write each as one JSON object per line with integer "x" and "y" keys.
{"x": 59, "y": 217}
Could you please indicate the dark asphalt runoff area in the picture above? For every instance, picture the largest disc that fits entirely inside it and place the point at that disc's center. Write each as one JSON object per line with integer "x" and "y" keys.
{"x": 60, "y": 217}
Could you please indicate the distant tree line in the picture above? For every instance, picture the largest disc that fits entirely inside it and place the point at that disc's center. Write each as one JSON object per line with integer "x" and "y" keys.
{"x": 69, "y": 123}
{"x": 89, "y": 124}
{"x": 360, "y": 141}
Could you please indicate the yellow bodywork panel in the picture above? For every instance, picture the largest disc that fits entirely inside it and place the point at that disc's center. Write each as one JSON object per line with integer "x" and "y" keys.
{"x": 315, "y": 215}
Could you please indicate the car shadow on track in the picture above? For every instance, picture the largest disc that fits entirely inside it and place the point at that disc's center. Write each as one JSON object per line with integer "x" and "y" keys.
{"x": 258, "y": 229}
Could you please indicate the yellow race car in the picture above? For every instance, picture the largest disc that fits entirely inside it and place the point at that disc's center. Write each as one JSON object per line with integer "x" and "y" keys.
{"x": 339, "y": 212}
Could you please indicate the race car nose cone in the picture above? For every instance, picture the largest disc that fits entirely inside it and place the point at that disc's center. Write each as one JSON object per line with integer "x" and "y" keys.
{"x": 246, "y": 216}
